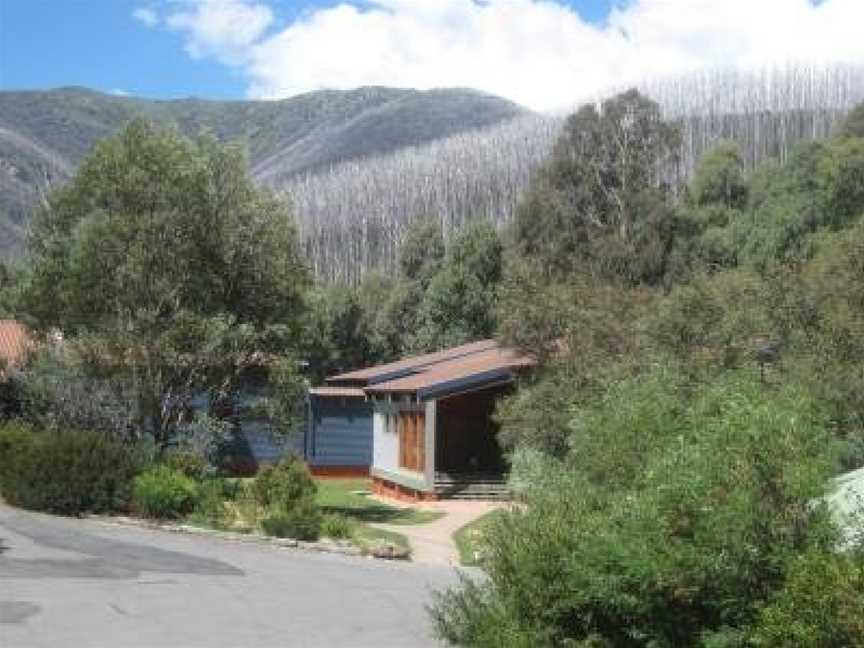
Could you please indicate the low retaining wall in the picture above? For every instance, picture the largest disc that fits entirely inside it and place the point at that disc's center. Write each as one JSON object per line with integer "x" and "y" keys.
{"x": 387, "y": 488}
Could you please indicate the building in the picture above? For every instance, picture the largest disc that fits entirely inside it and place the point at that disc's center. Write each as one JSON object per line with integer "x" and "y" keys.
{"x": 15, "y": 344}
{"x": 425, "y": 422}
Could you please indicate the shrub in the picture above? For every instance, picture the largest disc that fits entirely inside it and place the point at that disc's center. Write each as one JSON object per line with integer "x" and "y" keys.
{"x": 10, "y": 397}
{"x": 164, "y": 493}
{"x": 282, "y": 486}
{"x": 336, "y": 526}
{"x": 673, "y": 519}
{"x": 14, "y": 437}
{"x": 302, "y": 522}
{"x": 245, "y": 507}
{"x": 65, "y": 472}
{"x": 190, "y": 464}
{"x": 821, "y": 604}
{"x": 210, "y": 503}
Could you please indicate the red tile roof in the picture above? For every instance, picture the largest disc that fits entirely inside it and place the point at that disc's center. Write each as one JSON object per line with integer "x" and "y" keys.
{"x": 15, "y": 342}
{"x": 412, "y": 365}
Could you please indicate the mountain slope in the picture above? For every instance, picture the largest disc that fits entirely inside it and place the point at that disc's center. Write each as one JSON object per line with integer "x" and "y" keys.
{"x": 44, "y": 135}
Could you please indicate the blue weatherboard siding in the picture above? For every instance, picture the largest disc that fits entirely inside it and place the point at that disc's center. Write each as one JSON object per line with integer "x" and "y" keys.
{"x": 340, "y": 433}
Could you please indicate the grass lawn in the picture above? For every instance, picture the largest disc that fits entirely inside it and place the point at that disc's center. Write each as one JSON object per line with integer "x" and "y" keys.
{"x": 343, "y": 496}
{"x": 349, "y": 498}
{"x": 469, "y": 538}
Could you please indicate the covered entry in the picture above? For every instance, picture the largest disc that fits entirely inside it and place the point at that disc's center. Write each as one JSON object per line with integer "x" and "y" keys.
{"x": 466, "y": 435}
{"x": 433, "y": 428}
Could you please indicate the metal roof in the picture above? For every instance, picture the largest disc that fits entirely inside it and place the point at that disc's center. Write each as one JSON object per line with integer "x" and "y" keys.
{"x": 491, "y": 366}
{"x": 408, "y": 366}
{"x": 335, "y": 392}
{"x": 15, "y": 341}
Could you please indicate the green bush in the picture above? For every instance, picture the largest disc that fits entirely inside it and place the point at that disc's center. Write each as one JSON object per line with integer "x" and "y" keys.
{"x": 671, "y": 522}
{"x": 282, "y": 486}
{"x": 821, "y": 604}
{"x": 210, "y": 503}
{"x": 164, "y": 493}
{"x": 336, "y": 526}
{"x": 192, "y": 465}
{"x": 14, "y": 438}
{"x": 302, "y": 522}
{"x": 65, "y": 472}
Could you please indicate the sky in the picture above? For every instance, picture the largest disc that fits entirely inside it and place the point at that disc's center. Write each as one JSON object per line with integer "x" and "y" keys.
{"x": 545, "y": 54}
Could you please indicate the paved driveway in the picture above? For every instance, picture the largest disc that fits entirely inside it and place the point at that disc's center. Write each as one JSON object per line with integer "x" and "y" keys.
{"x": 80, "y": 584}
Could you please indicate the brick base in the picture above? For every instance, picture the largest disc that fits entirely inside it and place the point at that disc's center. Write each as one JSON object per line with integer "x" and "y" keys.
{"x": 386, "y": 488}
{"x": 339, "y": 471}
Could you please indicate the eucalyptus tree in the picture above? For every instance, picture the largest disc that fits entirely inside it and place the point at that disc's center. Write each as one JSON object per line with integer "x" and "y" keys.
{"x": 162, "y": 263}
{"x": 601, "y": 191}
{"x": 853, "y": 125}
{"x": 354, "y": 216}
{"x": 460, "y": 302}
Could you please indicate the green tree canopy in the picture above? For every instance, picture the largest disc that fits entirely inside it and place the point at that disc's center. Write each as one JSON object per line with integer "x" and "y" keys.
{"x": 162, "y": 261}
{"x": 853, "y": 126}
{"x": 422, "y": 251}
{"x": 459, "y": 303}
{"x": 600, "y": 191}
{"x": 671, "y": 521}
{"x": 719, "y": 179}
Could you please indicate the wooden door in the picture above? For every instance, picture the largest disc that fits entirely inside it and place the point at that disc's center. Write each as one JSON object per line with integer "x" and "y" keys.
{"x": 412, "y": 441}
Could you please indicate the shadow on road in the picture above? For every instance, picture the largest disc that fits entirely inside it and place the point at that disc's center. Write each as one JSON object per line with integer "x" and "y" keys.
{"x": 99, "y": 557}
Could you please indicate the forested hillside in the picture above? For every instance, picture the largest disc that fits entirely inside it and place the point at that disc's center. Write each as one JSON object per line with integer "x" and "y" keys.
{"x": 44, "y": 135}
{"x": 353, "y": 216}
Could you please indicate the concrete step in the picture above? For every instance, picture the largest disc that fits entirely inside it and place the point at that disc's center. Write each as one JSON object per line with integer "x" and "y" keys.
{"x": 476, "y": 487}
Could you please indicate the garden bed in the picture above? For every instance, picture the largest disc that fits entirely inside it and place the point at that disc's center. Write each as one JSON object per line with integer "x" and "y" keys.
{"x": 348, "y": 514}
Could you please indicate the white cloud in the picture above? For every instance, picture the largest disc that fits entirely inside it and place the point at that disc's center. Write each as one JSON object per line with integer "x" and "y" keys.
{"x": 540, "y": 53}
{"x": 146, "y": 17}
{"x": 120, "y": 92}
{"x": 226, "y": 30}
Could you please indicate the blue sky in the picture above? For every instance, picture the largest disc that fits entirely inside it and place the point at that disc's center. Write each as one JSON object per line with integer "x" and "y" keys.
{"x": 544, "y": 54}
{"x": 98, "y": 44}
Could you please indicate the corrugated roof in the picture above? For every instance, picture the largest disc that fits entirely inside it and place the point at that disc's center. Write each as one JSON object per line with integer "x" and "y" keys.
{"x": 334, "y": 392}
{"x": 492, "y": 365}
{"x": 394, "y": 370}
{"x": 15, "y": 341}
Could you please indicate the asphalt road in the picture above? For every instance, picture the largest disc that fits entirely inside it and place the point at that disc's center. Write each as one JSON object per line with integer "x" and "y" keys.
{"x": 67, "y": 583}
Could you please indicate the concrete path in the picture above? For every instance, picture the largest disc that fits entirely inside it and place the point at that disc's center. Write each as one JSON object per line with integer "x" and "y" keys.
{"x": 432, "y": 543}
{"x": 67, "y": 582}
